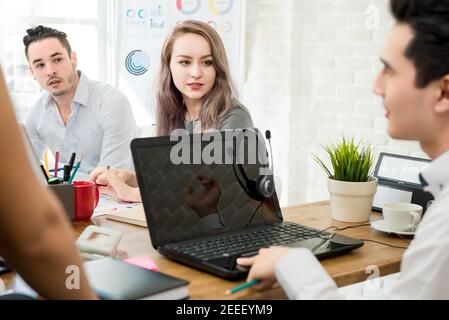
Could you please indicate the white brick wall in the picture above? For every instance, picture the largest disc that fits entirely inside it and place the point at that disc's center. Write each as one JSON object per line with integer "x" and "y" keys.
{"x": 310, "y": 65}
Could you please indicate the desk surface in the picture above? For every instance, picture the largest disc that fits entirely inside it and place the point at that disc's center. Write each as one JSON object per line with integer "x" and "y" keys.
{"x": 346, "y": 269}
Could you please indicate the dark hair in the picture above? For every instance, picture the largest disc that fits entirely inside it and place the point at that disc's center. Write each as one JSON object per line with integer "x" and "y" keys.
{"x": 42, "y": 32}
{"x": 429, "y": 49}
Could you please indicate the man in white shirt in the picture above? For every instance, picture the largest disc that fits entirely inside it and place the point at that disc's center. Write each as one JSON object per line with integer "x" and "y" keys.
{"x": 77, "y": 115}
{"x": 414, "y": 85}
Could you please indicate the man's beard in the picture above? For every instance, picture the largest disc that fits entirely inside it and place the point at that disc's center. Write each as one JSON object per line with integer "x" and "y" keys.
{"x": 59, "y": 93}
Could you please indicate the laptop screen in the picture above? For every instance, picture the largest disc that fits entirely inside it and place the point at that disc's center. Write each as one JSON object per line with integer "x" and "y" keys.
{"x": 188, "y": 196}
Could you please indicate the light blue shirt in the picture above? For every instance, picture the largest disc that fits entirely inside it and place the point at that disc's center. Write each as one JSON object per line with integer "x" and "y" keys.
{"x": 100, "y": 127}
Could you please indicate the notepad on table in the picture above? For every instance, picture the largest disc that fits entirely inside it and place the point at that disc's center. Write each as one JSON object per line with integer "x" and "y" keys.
{"x": 143, "y": 262}
{"x": 114, "y": 279}
{"x": 134, "y": 216}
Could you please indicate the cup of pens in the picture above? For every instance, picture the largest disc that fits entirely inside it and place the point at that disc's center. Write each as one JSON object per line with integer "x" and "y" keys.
{"x": 86, "y": 199}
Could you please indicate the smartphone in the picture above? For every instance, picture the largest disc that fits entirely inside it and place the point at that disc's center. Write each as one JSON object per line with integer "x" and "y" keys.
{"x": 4, "y": 268}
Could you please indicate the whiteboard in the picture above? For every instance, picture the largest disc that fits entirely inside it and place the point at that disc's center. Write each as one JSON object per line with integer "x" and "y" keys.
{"x": 143, "y": 26}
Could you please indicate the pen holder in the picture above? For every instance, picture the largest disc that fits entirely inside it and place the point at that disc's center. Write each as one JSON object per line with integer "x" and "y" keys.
{"x": 66, "y": 195}
{"x": 79, "y": 199}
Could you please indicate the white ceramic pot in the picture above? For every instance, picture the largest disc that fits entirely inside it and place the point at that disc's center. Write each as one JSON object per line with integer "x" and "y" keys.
{"x": 351, "y": 201}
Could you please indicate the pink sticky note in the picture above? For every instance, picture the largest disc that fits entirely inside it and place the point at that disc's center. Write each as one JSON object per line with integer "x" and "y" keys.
{"x": 143, "y": 262}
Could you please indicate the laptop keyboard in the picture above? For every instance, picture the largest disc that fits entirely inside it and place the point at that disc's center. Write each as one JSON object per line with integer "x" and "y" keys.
{"x": 248, "y": 242}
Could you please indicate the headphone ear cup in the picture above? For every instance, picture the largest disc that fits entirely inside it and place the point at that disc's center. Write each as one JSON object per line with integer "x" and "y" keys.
{"x": 265, "y": 186}
{"x": 252, "y": 186}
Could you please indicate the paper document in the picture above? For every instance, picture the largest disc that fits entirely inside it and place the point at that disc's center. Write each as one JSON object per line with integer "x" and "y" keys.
{"x": 108, "y": 205}
{"x": 135, "y": 215}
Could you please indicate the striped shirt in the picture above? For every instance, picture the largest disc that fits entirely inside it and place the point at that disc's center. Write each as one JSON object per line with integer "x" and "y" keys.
{"x": 100, "y": 127}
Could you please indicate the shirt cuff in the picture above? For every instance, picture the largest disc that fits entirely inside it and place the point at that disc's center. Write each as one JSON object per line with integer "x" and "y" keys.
{"x": 301, "y": 276}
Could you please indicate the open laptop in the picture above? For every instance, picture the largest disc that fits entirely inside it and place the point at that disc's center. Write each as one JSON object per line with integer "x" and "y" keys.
{"x": 206, "y": 215}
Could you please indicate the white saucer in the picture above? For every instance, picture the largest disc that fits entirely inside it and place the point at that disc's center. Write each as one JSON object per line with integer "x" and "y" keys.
{"x": 382, "y": 226}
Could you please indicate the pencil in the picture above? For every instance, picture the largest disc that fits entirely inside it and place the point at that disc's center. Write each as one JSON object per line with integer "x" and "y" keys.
{"x": 46, "y": 163}
{"x": 242, "y": 286}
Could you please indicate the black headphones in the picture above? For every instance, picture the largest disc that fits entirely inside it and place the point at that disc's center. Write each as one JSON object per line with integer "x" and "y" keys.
{"x": 263, "y": 187}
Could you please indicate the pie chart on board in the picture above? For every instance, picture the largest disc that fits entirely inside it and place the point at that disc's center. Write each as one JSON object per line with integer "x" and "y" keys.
{"x": 188, "y": 7}
{"x": 220, "y": 7}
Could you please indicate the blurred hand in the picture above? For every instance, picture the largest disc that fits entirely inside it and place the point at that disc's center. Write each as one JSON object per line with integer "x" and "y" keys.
{"x": 116, "y": 188}
{"x": 262, "y": 265}
{"x": 129, "y": 177}
{"x": 204, "y": 202}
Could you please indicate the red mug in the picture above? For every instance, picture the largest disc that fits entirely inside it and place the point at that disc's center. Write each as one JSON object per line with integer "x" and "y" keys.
{"x": 86, "y": 199}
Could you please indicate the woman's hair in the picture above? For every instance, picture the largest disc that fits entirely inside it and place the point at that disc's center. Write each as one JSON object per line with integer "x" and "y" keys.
{"x": 170, "y": 104}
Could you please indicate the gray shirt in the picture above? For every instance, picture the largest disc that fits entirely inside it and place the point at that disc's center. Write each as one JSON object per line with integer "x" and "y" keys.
{"x": 237, "y": 118}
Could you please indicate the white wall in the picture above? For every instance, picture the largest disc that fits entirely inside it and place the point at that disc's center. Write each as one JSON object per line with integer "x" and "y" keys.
{"x": 310, "y": 65}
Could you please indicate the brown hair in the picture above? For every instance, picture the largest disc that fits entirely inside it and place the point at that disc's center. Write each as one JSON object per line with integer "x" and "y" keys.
{"x": 217, "y": 103}
{"x": 42, "y": 32}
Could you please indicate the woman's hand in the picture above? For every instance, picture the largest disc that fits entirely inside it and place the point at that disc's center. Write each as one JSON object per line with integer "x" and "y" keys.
{"x": 116, "y": 188}
{"x": 97, "y": 175}
{"x": 262, "y": 265}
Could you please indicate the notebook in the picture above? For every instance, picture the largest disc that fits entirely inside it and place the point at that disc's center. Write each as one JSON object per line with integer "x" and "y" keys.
{"x": 134, "y": 216}
{"x": 206, "y": 214}
{"x": 114, "y": 279}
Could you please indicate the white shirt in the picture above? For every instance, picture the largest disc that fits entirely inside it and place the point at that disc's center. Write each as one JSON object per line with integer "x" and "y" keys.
{"x": 100, "y": 127}
{"x": 424, "y": 267}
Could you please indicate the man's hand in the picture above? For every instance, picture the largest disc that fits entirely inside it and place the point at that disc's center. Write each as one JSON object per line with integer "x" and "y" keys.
{"x": 262, "y": 265}
{"x": 204, "y": 202}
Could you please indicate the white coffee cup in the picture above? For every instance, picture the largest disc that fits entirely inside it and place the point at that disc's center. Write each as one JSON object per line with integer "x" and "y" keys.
{"x": 402, "y": 216}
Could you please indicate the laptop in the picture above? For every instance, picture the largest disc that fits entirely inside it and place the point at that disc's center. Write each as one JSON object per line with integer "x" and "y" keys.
{"x": 206, "y": 214}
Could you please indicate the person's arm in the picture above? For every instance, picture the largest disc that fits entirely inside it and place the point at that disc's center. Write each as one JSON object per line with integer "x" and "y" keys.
{"x": 116, "y": 188}
{"x": 31, "y": 127}
{"x": 98, "y": 176}
{"x": 119, "y": 128}
{"x": 237, "y": 118}
{"x": 296, "y": 269}
{"x": 117, "y": 183}
{"x": 35, "y": 236}
{"x": 303, "y": 277}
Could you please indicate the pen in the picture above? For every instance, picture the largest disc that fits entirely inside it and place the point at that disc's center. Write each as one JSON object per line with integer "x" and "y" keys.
{"x": 56, "y": 162}
{"x": 66, "y": 176}
{"x": 44, "y": 172}
{"x": 46, "y": 163}
{"x": 75, "y": 169}
{"x": 72, "y": 160}
{"x": 242, "y": 286}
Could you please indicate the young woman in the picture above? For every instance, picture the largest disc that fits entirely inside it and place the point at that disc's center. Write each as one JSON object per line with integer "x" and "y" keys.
{"x": 195, "y": 92}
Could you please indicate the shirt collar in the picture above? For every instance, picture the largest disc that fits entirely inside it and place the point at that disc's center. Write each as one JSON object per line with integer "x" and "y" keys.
{"x": 437, "y": 174}
{"x": 82, "y": 90}
{"x": 81, "y": 95}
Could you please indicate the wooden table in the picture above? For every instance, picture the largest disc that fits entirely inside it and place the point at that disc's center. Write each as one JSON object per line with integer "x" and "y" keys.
{"x": 346, "y": 269}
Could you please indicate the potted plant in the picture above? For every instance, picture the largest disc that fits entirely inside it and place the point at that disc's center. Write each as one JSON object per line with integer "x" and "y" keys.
{"x": 351, "y": 184}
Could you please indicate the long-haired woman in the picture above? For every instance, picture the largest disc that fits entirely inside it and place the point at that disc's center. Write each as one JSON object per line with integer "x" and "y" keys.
{"x": 195, "y": 92}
